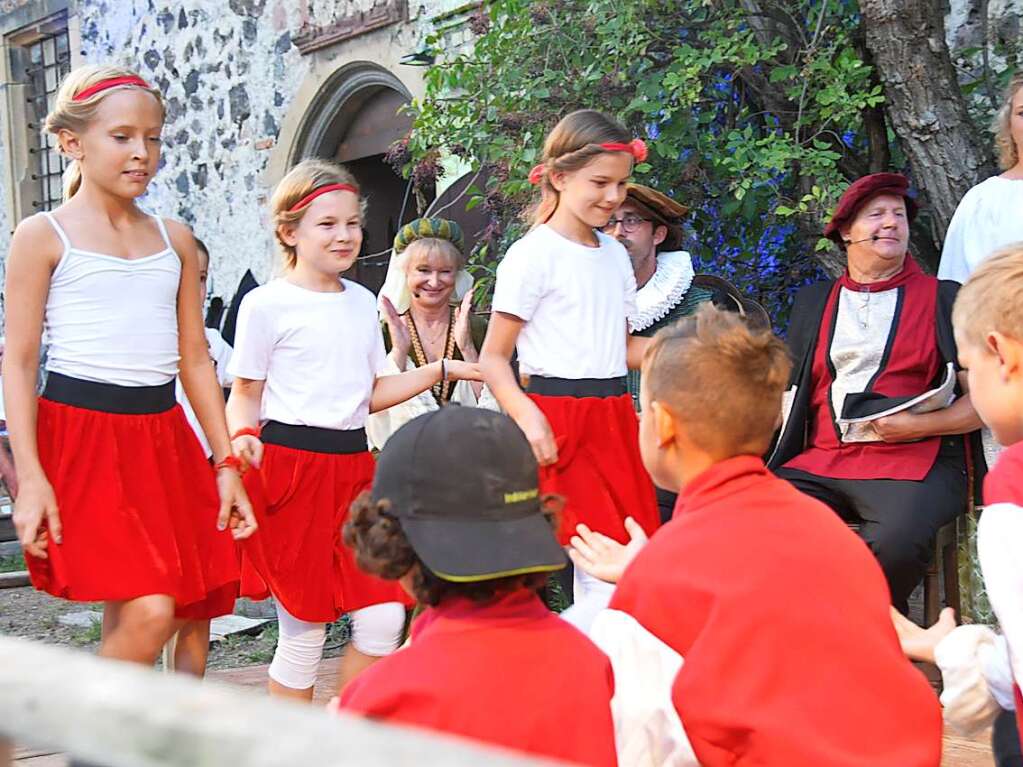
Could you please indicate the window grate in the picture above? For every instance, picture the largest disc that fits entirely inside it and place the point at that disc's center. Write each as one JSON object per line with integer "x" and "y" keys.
{"x": 47, "y": 61}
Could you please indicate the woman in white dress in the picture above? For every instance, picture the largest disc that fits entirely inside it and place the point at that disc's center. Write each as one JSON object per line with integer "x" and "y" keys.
{"x": 425, "y": 305}
{"x": 990, "y": 215}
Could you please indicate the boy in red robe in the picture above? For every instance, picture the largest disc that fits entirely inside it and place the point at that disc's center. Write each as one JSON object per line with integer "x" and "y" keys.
{"x": 487, "y": 659}
{"x": 753, "y": 627}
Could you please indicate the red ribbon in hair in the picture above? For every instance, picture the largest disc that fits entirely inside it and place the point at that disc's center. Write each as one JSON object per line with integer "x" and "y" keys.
{"x": 111, "y": 82}
{"x": 636, "y": 147}
{"x": 322, "y": 190}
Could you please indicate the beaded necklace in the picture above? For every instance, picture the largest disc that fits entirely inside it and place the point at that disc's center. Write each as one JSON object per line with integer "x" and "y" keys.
{"x": 442, "y": 389}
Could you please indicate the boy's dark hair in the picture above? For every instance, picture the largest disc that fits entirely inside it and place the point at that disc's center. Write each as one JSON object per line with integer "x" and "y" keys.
{"x": 202, "y": 246}
{"x": 381, "y": 549}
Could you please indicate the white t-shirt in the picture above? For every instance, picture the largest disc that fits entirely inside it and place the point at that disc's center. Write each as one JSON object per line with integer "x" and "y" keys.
{"x": 318, "y": 353}
{"x": 575, "y": 301}
{"x": 989, "y": 217}
{"x": 220, "y": 353}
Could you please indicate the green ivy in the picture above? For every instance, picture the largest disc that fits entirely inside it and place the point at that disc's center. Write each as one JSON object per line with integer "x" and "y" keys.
{"x": 752, "y": 121}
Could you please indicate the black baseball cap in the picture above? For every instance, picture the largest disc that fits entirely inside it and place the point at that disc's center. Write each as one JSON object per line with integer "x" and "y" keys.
{"x": 463, "y": 483}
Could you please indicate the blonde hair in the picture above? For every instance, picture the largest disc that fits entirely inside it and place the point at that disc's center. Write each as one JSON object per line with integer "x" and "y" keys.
{"x": 992, "y": 298}
{"x": 722, "y": 376}
{"x": 430, "y": 245}
{"x": 303, "y": 179}
{"x": 571, "y": 145}
{"x": 1008, "y": 152}
{"x": 75, "y": 116}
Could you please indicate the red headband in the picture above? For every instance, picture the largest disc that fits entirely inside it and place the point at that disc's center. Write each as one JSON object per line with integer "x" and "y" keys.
{"x": 636, "y": 147}
{"x": 112, "y": 82}
{"x": 322, "y": 190}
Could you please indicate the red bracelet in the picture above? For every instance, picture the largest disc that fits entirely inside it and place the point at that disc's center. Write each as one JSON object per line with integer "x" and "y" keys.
{"x": 248, "y": 431}
{"x": 231, "y": 462}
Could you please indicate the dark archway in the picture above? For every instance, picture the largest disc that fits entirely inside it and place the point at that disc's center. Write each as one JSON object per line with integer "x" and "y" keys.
{"x": 354, "y": 119}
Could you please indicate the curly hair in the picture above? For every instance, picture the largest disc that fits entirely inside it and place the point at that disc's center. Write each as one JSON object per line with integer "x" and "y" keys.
{"x": 1008, "y": 152}
{"x": 375, "y": 534}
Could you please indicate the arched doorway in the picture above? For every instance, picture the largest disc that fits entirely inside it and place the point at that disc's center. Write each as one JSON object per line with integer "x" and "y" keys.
{"x": 354, "y": 119}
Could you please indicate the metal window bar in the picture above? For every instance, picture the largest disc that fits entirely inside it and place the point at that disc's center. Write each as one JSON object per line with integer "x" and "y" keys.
{"x": 48, "y": 60}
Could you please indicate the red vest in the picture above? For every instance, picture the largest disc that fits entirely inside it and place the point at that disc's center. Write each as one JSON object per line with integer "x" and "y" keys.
{"x": 510, "y": 673}
{"x": 781, "y": 615}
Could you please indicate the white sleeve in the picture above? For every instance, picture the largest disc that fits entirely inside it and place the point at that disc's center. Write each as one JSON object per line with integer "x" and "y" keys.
{"x": 954, "y": 264}
{"x": 253, "y": 341}
{"x": 630, "y": 293}
{"x": 378, "y": 359}
{"x": 220, "y": 350}
{"x": 518, "y": 288}
{"x": 648, "y": 730}
{"x": 1000, "y": 550}
{"x": 968, "y": 658}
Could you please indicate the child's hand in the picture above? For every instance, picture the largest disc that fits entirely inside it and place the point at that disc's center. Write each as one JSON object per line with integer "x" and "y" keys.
{"x": 334, "y": 705}
{"x": 235, "y": 509}
{"x": 248, "y": 450}
{"x": 603, "y": 557}
{"x": 919, "y": 643}
{"x": 538, "y": 431}
{"x": 36, "y": 517}
{"x": 463, "y": 371}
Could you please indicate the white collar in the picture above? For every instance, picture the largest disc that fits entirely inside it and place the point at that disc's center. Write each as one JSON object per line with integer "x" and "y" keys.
{"x": 664, "y": 291}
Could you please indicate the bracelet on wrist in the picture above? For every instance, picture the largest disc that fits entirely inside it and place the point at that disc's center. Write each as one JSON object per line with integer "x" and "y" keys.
{"x": 248, "y": 431}
{"x": 231, "y": 462}
{"x": 443, "y": 370}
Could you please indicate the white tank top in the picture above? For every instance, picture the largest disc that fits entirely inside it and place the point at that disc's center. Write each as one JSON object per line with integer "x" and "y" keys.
{"x": 111, "y": 319}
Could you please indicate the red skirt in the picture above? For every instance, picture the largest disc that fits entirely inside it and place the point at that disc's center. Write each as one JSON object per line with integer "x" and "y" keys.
{"x": 301, "y": 500}
{"x": 138, "y": 504}
{"x": 599, "y": 471}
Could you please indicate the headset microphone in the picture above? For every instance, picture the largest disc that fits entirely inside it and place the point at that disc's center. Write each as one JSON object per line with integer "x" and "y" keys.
{"x": 853, "y": 242}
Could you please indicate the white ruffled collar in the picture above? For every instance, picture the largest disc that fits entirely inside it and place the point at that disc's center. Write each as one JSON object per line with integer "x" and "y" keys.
{"x": 665, "y": 289}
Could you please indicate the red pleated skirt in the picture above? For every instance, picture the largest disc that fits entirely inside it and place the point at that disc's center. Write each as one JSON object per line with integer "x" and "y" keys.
{"x": 599, "y": 471}
{"x": 138, "y": 504}
{"x": 301, "y": 500}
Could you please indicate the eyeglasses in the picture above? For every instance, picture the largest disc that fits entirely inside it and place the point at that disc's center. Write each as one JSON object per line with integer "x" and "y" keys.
{"x": 629, "y": 223}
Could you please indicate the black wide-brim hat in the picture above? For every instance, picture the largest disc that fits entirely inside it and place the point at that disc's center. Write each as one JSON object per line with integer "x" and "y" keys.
{"x": 464, "y": 485}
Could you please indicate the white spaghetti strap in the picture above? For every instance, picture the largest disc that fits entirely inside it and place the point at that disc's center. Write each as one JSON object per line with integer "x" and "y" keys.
{"x": 163, "y": 232}
{"x": 60, "y": 232}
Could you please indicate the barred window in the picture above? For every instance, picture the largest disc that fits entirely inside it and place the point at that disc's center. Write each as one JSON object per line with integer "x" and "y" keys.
{"x": 41, "y": 58}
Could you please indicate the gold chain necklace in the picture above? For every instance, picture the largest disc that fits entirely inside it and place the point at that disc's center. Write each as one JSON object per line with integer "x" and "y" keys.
{"x": 442, "y": 389}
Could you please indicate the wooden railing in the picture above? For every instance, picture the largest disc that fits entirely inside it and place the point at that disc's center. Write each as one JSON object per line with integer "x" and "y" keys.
{"x": 122, "y": 715}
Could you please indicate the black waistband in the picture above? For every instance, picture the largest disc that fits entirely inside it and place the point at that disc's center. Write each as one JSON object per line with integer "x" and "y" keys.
{"x": 314, "y": 439}
{"x": 109, "y": 398}
{"x": 577, "y": 387}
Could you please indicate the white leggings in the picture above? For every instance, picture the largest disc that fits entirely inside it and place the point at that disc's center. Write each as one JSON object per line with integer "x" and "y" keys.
{"x": 376, "y": 630}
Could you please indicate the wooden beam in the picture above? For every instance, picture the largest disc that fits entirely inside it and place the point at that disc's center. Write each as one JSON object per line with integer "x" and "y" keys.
{"x": 123, "y": 715}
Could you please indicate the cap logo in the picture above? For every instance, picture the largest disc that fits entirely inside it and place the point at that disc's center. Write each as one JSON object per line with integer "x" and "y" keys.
{"x": 521, "y": 495}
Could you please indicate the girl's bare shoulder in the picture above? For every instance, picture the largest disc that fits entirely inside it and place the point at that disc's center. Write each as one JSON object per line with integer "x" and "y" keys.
{"x": 39, "y": 239}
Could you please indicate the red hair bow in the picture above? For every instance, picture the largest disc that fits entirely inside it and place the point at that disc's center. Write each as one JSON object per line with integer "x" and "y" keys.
{"x": 636, "y": 147}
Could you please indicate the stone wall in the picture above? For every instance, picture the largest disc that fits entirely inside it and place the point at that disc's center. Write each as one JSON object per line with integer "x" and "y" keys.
{"x": 234, "y": 80}
{"x": 227, "y": 71}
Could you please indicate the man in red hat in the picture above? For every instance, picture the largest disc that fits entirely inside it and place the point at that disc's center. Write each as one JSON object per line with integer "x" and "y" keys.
{"x": 876, "y": 420}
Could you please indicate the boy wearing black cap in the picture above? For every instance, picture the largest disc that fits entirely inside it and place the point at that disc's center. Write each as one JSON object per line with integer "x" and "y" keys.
{"x": 487, "y": 659}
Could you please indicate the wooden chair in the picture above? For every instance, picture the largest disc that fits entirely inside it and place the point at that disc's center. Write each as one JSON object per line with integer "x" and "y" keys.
{"x": 943, "y": 570}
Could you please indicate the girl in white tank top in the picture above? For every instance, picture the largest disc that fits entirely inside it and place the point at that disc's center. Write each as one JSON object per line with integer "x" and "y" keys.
{"x": 117, "y": 502}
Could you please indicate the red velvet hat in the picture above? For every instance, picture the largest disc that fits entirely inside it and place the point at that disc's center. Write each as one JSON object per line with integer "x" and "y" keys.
{"x": 863, "y": 190}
